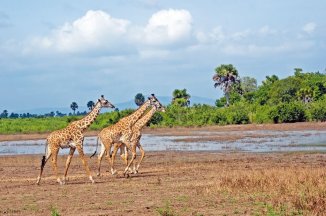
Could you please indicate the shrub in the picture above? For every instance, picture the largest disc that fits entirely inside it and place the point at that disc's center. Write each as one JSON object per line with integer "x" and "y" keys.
{"x": 317, "y": 111}
{"x": 288, "y": 112}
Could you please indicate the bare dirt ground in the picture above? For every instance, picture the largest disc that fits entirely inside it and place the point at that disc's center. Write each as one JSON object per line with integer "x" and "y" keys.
{"x": 174, "y": 183}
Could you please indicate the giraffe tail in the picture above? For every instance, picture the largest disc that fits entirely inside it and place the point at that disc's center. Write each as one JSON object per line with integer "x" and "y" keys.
{"x": 96, "y": 148}
{"x": 44, "y": 156}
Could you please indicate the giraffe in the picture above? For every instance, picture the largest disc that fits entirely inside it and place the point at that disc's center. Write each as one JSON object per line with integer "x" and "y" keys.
{"x": 71, "y": 137}
{"x": 119, "y": 132}
{"x": 135, "y": 139}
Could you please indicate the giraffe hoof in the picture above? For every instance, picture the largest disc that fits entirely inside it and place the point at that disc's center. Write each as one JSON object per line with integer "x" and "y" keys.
{"x": 113, "y": 172}
{"x": 92, "y": 180}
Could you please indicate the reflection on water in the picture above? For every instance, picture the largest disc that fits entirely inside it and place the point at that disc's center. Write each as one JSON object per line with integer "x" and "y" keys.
{"x": 249, "y": 141}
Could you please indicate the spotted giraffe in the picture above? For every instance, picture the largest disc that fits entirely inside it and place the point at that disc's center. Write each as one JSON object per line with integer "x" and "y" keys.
{"x": 119, "y": 132}
{"x": 135, "y": 139}
{"x": 71, "y": 137}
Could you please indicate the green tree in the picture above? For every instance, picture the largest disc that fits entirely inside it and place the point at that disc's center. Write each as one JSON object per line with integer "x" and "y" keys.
{"x": 305, "y": 94}
{"x": 181, "y": 97}
{"x": 90, "y": 105}
{"x": 4, "y": 114}
{"x": 227, "y": 78}
{"x": 139, "y": 99}
{"x": 248, "y": 84}
{"x": 74, "y": 106}
{"x": 270, "y": 80}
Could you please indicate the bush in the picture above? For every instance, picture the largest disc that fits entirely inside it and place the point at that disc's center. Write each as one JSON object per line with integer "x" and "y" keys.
{"x": 261, "y": 114}
{"x": 288, "y": 113}
{"x": 317, "y": 111}
{"x": 237, "y": 114}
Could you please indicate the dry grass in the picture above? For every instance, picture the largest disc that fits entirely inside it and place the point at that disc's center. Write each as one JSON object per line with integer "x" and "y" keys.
{"x": 298, "y": 189}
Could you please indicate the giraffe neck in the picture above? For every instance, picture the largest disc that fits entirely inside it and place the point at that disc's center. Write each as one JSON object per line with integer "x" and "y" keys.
{"x": 85, "y": 122}
{"x": 131, "y": 119}
{"x": 143, "y": 120}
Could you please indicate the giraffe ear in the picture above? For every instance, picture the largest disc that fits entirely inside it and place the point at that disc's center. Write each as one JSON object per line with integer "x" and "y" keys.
{"x": 98, "y": 100}
{"x": 149, "y": 98}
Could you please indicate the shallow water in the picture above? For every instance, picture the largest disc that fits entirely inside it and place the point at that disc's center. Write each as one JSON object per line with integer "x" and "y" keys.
{"x": 249, "y": 141}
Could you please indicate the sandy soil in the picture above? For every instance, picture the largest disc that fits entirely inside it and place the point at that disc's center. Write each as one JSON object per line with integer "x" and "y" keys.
{"x": 169, "y": 183}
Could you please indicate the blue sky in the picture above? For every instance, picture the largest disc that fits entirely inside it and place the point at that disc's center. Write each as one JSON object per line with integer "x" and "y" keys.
{"x": 56, "y": 52}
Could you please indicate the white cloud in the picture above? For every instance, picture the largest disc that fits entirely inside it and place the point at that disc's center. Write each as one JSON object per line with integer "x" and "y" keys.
{"x": 168, "y": 26}
{"x": 98, "y": 32}
{"x": 241, "y": 34}
{"x": 96, "y": 29}
{"x": 309, "y": 27}
{"x": 263, "y": 41}
{"x": 215, "y": 36}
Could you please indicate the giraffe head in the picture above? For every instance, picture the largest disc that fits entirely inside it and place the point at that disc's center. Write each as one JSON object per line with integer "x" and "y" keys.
{"x": 156, "y": 103}
{"x": 105, "y": 103}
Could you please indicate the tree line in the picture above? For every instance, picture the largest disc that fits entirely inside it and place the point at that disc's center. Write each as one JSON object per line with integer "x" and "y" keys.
{"x": 296, "y": 98}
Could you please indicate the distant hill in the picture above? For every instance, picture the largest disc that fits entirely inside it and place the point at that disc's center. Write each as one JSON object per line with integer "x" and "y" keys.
{"x": 165, "y": 100}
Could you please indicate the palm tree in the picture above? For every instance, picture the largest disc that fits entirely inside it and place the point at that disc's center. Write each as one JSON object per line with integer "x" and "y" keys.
{"x": 139, "y": 99}
{"x": 305, "y": 94}
{"x": 181, "y": 97}
{"x": 228, "y": 79}
{"x": 90, "y": 105}
{"x": 74, "y": 106}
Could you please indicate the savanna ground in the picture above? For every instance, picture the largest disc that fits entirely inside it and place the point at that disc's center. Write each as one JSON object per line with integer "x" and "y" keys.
{"x": 174, "y": 183}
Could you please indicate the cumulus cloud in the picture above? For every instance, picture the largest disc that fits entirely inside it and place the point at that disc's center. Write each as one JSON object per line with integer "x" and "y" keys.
{"x": 168, "y": 26}
{"x": 254, "y": 42}
{"x": 96, "y": 29}
{"x": 309, "y": 27}
{"x": 166, "y": 30}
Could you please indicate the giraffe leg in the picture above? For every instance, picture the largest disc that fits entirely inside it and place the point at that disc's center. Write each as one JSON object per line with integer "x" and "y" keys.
{"x": 133, "y": 151}
{"x": 71, "y": 153}
{"x": 141, "y": 158}
{"x": 115, "y": 149}
{"x": 54, "y": 164}
{"x": 99, "y": 159}
{"x": 43, "y": 162}
{"x": 124, "y": 154}
{"x": 83, "y": 159}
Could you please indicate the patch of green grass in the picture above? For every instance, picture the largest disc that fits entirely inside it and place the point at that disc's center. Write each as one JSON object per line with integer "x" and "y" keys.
{"x": 281, "y": 210}
{"x": 166, "y": 210}
{"x": 54, "y": 211}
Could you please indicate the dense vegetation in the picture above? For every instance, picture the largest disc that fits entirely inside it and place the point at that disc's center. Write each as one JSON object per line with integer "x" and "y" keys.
{"x": 297, "y": 98}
